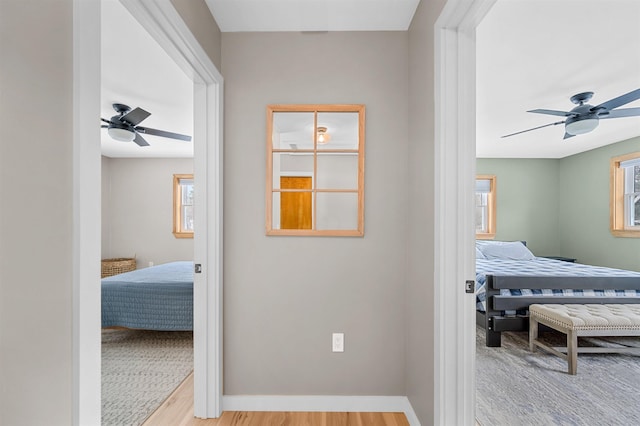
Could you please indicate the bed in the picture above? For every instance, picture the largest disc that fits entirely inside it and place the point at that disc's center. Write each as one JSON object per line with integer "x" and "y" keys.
{"x": 509, "y": 278}
{"x": 155, "y": 298}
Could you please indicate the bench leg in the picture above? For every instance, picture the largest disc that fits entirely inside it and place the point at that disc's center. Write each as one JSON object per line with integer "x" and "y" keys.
{"x": 533, "y": 333}
{"x": 572, "y": 351}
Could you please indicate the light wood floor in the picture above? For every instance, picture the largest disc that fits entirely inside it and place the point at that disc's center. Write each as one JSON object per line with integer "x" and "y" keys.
{"x": 177, "y": 410}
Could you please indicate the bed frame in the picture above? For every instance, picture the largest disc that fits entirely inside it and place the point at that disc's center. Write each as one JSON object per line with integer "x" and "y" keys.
{"x": 495, "y": 322}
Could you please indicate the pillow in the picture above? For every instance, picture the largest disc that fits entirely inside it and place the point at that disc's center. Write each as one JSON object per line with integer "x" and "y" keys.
{"x": 506, "y": 250}
{"x": 479, "y": 254}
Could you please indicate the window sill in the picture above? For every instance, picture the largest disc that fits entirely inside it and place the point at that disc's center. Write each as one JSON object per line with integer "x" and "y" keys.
{"x": 485, "y": 236}
{"x": 183, "y": 234}
{"x": 625, "y": 233}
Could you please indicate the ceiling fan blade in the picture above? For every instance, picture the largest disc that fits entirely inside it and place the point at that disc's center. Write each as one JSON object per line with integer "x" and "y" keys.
{"x": 104, "y": 126}
{"x": 619, "y": 101}
{"x": 135, "y": 116}
{"x": 156, "y": 132}
{"x": 567, "y": 135}
{"x": 553, "y": 112}
{"x": 140, "y": 140}
{"x": 535, "y": 128}
{"x": 626, "y": 112}
{"x": 105, "y": 120}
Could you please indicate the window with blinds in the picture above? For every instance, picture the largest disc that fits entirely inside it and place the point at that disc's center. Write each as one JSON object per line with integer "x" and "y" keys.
{"x": 625, "y": 195}
{"x": 485, "y": 207}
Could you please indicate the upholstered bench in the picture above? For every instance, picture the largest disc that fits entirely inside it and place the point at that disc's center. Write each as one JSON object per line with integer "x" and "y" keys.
{"x": 584, "y": 320}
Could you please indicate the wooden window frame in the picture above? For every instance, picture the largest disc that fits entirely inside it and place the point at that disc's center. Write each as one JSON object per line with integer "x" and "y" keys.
{"x": 616, "y": 202}
{"x": 178, "y": 232}
{"x": 270, "y": 190}
{"x": 491, "y": 208}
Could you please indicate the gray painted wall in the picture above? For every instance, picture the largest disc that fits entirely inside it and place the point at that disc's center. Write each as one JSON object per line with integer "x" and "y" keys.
{"x": 527, "y": 201}
{"x": 419, "y": 294}
{"x": 137, "y": 206}
{"x": 284, "y": 296}
{"x": 277, "y": 334}
{"x": 561, "y": 206}
{"x": 36, "y": 212}
{"x": 198, "y": 18}
{"x": 584, "y": 209}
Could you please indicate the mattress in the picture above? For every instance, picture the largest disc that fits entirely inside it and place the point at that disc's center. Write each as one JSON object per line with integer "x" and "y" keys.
{"x": 155, "y": 298}
{"x": 543, "y": 267}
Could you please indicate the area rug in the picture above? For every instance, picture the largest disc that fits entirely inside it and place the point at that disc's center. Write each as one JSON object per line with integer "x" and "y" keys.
{"x": 140, "y": 369}
{"x": 517, "y": 387}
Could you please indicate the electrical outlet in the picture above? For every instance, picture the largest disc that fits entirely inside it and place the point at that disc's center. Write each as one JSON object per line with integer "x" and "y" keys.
{"x": 337, "y": 342}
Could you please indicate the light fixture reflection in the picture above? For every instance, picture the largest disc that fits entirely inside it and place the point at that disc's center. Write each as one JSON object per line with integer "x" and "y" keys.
{"x": 323, "y": 136}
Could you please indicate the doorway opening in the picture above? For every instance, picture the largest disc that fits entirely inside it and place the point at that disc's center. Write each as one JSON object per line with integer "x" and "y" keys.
{"x": 454, "y": 216}
{"x": 162, "y": 21}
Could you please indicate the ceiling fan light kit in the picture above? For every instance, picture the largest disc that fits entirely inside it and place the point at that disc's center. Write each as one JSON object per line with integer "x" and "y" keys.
{"x": 124, "y": 127}
{"x": 580, "y": 126}
{"x": 120, "y": 134}
{"x": 585, "y": 118}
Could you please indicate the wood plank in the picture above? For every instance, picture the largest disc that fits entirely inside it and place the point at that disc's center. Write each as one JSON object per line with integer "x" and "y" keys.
{"x": 177, "y": 410}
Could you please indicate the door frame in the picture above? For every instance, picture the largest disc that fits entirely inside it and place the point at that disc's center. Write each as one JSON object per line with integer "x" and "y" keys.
{"x": 455, "y": 88}
{"x": 165, "y": 25}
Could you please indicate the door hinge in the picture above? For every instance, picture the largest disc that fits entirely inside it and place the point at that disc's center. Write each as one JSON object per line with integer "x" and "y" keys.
{"x": 197, "y": 268}
{"x": 468, "y": 286}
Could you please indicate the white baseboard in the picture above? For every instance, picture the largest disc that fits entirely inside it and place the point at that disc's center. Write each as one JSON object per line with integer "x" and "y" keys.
{"x": 329, "y": 403}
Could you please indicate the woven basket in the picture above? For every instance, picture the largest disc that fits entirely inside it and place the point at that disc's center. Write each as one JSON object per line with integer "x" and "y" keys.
{"x": 117, "y": 266}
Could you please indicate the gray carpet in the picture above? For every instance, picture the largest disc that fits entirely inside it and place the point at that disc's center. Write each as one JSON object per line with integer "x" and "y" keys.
{"x": 517, "y": 387}
{"x": 140, "y": 369}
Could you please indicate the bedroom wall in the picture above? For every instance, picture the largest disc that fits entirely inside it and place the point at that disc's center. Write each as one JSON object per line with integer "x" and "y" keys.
{"x": 36, "y": 228}
{"x": 527, "y": 201}
{"x": 138, "y": 208}
{"x": 284, "y": 296}
{"x": 584, "y": 209}
{"x": 575, "y": 194}
{"x": 419, "y": 295}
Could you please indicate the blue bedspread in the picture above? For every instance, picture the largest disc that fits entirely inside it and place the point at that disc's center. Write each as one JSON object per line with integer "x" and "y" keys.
{"x": 155, "y": 298}
{"x": 541, "y": 267}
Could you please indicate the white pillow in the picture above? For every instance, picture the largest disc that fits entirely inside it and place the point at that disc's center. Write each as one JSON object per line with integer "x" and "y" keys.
{"x": 506, "y": 250}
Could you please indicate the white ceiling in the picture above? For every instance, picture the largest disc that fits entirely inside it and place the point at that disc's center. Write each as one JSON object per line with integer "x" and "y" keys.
{"x": 313, "y": 15}
{"x": 531, "y": 54}
{"x": 537, "y": 54}
{"x": 137, "y": 72}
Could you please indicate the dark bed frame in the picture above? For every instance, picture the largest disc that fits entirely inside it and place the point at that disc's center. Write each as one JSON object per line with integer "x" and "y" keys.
{"x": 495, "y": 322}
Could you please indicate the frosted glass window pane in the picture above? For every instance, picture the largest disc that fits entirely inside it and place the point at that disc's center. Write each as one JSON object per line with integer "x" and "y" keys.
{"x": 336, "y": 211}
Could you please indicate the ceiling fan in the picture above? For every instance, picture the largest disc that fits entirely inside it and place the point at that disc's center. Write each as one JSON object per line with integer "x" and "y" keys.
{"x": 584, "y": 118}
{"x": 124, "y": 126}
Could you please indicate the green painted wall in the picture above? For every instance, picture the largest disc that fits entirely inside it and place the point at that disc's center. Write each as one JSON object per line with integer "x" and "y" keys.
{"x": 527, "y": 201}
{"x": 561, "y": 206}
{"x": 584, "y": 209}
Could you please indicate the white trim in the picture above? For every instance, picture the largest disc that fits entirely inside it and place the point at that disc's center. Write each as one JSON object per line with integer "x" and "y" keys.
{"x": 165, "y": 25}
{"x": 163, "y": 22}
{"x": 86, "y": 401}
{"x": 326, "y": 403}
{"x": 454, "y": 345}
